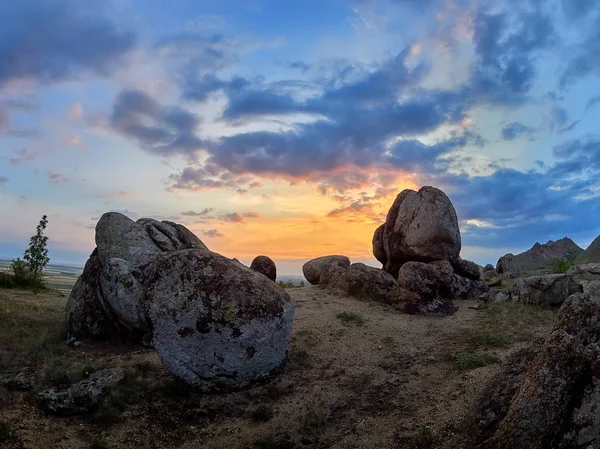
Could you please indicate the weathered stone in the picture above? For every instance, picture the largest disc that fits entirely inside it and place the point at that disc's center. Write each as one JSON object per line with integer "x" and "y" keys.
{"x": 414, "y": 303}
{"x": 21, "y": 380}
{"x": 579, "y": 316}
{"x": 548, "y": 290}
{"x": 117, "y": 236}
{"x": 541, "y": 407}
{"x": 496, "y": 296}
{"x": 420, "y": 226}
{"x": 508, "y": 266}
{"x": 424, "y": 279}
{"x": 169, "y": 236}
{"x": 266, "y": 266}
{"x": 123, "y": 294}
{"x": 313, "y": 269}
{"x": 85, "y": 315}
{"x": 363, "y": 282}
{"x": 463, "y": 288}
{"x": 585, "y": 272}
{"x": 217, "y": 325}
{"x": 468, "y": 269}
{"x": 378, "y": 246}
{"x": 489, "y": 267}
{"x": 82, "y": 397}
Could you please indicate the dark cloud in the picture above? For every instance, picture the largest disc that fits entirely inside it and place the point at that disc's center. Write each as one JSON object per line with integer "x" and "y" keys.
{"x": 300, "y": 65}
{"x": 514, "y": 130}
{"x": 156, "y": 128}
{"x": 583, "y": 57}
{"x": 23, "y": 155}
{"x": 202, "y": 213}
{"x": 3, "y": 180}
{"x": 592, "y": 102}
{"x": 213, "y": 233}
{"x": 54, "y": 41}
{"x": 238, "y": 217}
{"x": 57, "y": 178}
{"x": 569, "y": 128}
{"x": 577, "y": 9}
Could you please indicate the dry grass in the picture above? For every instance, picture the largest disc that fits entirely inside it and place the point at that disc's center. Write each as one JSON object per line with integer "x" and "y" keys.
{"x": 399, "y": 381}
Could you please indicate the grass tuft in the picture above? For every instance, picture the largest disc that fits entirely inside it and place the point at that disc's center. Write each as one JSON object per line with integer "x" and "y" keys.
{"x": 488, "y": 340}
{"x": 469, "y": 361}
{"x": 351, "y": 318}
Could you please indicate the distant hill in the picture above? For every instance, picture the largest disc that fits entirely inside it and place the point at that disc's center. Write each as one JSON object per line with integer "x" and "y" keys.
{"x": 591, "y": 254}
{"x": 542, "y": 256}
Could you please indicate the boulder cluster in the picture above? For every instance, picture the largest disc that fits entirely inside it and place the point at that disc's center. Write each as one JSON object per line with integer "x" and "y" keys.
{"x": 215, "y": 323}
{"x": 419, "y": 247}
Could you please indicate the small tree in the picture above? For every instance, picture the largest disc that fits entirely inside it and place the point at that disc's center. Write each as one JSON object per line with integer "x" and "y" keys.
{"x": 36, "y": 256}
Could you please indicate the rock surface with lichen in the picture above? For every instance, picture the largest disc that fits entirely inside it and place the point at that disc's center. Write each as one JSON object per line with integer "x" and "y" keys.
{"x": 216, "y": 325}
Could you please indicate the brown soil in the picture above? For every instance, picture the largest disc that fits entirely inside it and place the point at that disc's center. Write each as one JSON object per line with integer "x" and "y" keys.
{"x": 390, "y": 382}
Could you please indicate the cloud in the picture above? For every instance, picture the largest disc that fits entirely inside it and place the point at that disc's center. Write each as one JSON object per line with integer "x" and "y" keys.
{"x": 514, "y": 130}
{"x": 57, "y": 178}
{"x": 583, "y": 57}
{"x": 592, "y": 102}
{"x": 23, "y": 155}
{"x": 569, "y": 128}
{"x": 302, "y": 66}
{"x": 3, "y": 180}
{"x": 237, "y": 217}
{"x": 202, "y": 213}
{"x": 119, "y": 194}
{"x": 49, "y": 42}
{"x": 213, "y": 233}
{"x": 156, "y": 128}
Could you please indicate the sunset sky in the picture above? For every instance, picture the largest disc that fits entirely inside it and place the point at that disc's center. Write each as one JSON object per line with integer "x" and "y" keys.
{"x": 287, "y": 128}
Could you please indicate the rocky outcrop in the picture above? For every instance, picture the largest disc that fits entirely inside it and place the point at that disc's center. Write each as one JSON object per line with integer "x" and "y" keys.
{"x": 553, "y": 404}
{"x": 489, "y": 267}
{"x": 361, "y": 281}
{"x": 216, "y": 325}
{"x": 468, "y": 269}
{"x": 420, "y": 226}
{"x": 546, "y": 291}
{"x": 313, "y": 269}
{"x": 266, "y": 266}
{"x": 538, "y": 257}
{"x": 22, "y": 380}
{"x": 82, "y": 397}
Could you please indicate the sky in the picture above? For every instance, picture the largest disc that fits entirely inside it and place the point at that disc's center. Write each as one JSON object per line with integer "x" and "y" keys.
{"x": 287, "y": 128}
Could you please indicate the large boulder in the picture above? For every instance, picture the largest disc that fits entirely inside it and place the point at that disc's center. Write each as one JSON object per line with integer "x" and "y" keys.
{"x": 107, "y": 298}
{"x": 554, "y": 404}
{"x": 361, "y": 281}
{"x": 423, "y": 289}
{"x": 266, "y": 266}
{"x": 216, "y": 325}
{"x": 508, "y": 266}
{"x": 313, "y": 269}
{"x": 547, "y": 290}
{"x": 468, "y": 269}
{"x": 82, "y": 397}
{"x": 588, "y": 276}
{"x": 420, "y": 226}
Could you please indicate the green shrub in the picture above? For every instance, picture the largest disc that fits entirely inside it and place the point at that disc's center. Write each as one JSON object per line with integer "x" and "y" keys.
{"x": 488, "y": 340}
{"x": 470, "y": 361}
{"x": 561, "y": 266}
{"x": 262, "y": 413}
{"x": 351, "y": 318}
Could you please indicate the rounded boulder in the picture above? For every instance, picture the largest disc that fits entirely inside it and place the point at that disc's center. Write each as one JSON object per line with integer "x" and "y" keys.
{"x": 264, "y": 265}
{"x": 313, "y": 269}
{"x": 216, "y": 325}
